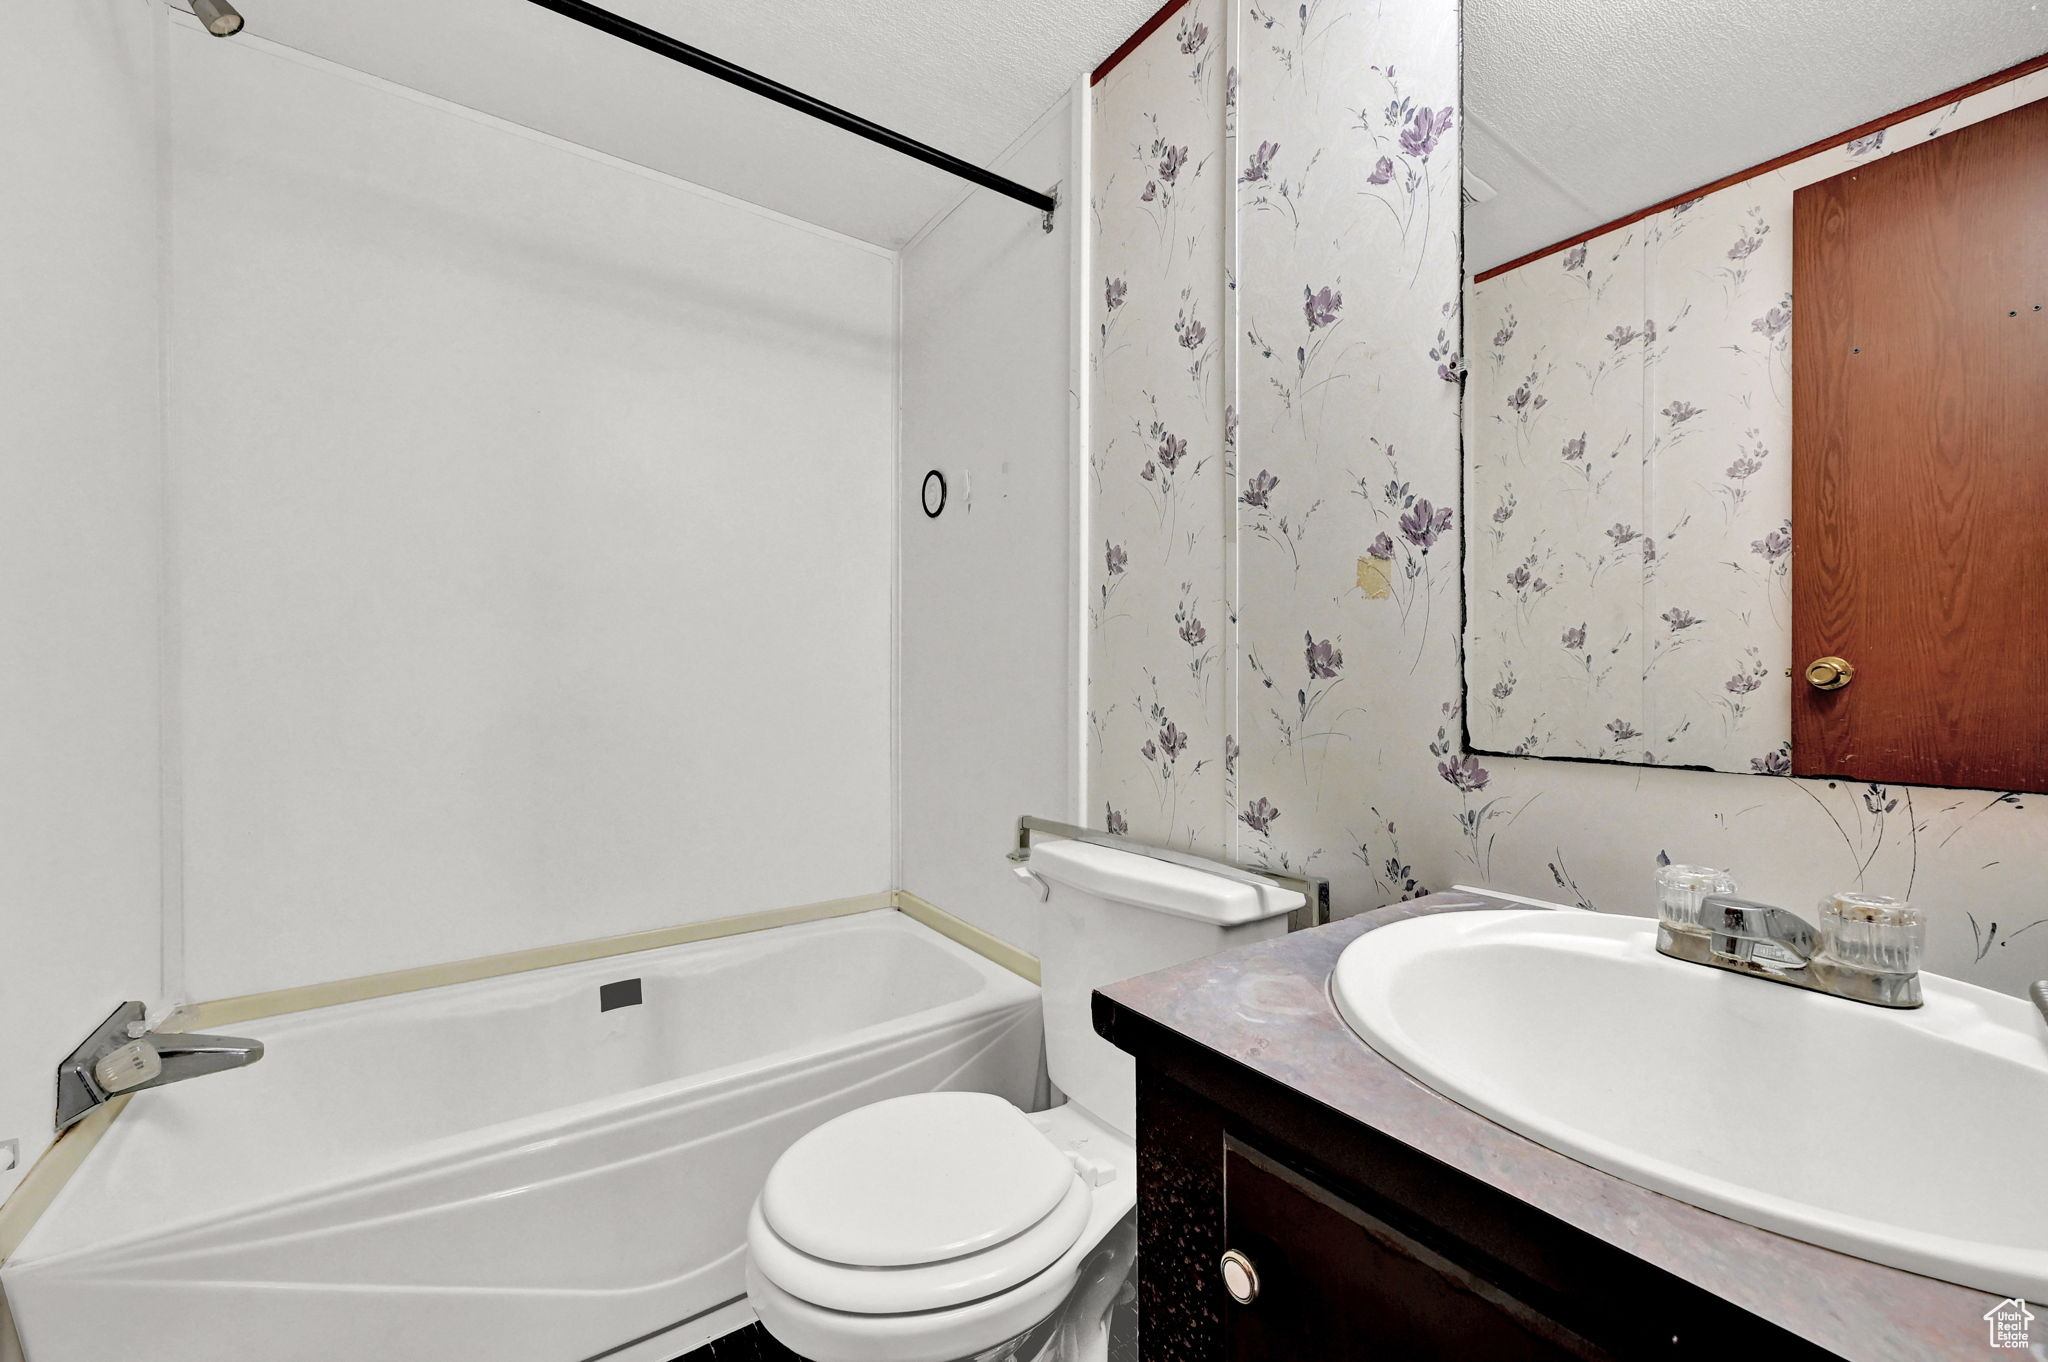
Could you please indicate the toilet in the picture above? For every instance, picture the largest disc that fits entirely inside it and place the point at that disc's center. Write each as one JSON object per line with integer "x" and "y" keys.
{"x": 947, "y": 1226}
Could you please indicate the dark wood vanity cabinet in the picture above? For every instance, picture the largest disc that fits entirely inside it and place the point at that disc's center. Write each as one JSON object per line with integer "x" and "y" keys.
{"x": 1369, "y": 1251}
{"x": 1333, "y": 1280}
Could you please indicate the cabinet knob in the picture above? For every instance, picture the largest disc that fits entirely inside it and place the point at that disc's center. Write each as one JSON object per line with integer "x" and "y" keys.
{"x": 1829, "y": 673}
{"x": 1240, "y": 1278}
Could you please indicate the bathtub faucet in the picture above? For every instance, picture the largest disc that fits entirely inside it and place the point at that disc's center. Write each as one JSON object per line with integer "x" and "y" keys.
{"x": 121, "y": 1056}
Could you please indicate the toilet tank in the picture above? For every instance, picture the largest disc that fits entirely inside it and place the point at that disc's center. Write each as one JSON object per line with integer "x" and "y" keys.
{"x": 1113, "y": 914}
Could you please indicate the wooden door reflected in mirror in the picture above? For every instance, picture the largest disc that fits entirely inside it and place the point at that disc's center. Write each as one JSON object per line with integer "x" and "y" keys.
{"x": 1920, "y": 463}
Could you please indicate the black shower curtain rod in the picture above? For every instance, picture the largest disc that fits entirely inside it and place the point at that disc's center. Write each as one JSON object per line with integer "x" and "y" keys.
{"x": 604, "y": 21}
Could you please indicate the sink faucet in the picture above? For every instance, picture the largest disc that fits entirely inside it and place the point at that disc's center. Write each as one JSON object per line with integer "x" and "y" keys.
{"x": 121, "y": 1057}
{"x": 1768, "y": 942}
{"x": 1748, "y": 932}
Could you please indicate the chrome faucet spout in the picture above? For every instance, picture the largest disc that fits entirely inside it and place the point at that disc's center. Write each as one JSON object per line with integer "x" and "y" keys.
{"x": 188, "y": 1054}
{"x": 1745, "y": 930}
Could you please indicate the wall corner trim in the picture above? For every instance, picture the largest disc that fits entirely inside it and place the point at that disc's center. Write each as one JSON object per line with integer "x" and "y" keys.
{"x": 1137, "y": 38}
{"x": 984, "y": 944}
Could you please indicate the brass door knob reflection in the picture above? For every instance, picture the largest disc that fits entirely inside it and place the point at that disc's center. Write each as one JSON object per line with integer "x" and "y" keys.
{"x": 1829, "y": 673}
{"x": 1240, "y": 1278}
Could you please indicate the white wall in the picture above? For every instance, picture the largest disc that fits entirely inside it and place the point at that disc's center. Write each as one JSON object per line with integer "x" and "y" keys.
{"x": 532, "y": 533}
{"x": 985, "y": 709}
{"x": 79, "y": 547}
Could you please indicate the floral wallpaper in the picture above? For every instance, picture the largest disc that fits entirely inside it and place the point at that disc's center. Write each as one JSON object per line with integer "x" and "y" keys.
{"x": 1627, "y": 464}
{"x": 1348, "y": 288}
{"x": 1329, "y": 166}
{"x": 1159, "y": 470}
{"x": 1275, "y": 510}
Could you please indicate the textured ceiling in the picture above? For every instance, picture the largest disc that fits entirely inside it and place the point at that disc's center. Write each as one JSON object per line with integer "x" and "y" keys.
{"x": 967, "y": 76}
{"x": 1582, "y": 111}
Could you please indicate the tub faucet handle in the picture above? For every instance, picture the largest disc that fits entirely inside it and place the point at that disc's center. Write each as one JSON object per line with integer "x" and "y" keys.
{"x": 127, "y": 1066}
{"x": 122, "y": 1056}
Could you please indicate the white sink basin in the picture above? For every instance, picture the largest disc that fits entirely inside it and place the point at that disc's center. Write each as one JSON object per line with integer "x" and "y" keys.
{"x": 1911, "y": 1138}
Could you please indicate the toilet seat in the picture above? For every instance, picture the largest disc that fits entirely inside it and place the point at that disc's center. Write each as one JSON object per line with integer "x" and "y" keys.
{"x": 915, "y": 1180}
{"x": 932, "y": 1286}
{"x": 914, "y": 1204}
{"x": 891, "y": 1314}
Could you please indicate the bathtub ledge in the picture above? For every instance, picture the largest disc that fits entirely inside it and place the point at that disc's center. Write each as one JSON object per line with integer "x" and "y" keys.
{"x": 249, "y": 1006}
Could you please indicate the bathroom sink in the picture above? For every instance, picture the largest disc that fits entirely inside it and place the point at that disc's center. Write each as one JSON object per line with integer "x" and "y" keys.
{"x": 1909, "y": 1137}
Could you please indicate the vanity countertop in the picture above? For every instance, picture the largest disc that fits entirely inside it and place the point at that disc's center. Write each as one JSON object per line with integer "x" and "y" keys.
{"x": 1267, "y": 1007}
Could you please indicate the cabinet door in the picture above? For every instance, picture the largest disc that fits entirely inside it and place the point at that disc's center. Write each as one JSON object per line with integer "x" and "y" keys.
{"x": 1337, "y": 1285}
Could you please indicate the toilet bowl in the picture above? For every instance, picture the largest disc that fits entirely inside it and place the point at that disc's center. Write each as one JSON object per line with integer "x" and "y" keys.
{"x": 953, "y": 1226}
{"x": 933, "y": 1227}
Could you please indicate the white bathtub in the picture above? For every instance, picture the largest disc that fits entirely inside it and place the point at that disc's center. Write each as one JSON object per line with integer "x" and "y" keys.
{"x": 500, "y": 1170}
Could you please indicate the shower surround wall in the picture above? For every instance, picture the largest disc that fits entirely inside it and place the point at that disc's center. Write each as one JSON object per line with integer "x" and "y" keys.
{"x": 80, "y": 499}
{"x": 984, "y": 634}
{"x": 528, "y": 574}
{"x": 1275, "y": 519}
{"x": 532, "y": 518}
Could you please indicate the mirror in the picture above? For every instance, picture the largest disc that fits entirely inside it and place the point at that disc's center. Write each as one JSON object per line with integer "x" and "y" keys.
{"x": 1630, "y": 399}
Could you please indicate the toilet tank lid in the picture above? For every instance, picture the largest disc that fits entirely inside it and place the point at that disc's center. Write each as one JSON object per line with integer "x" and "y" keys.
{"x": 1162, "y": 886}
